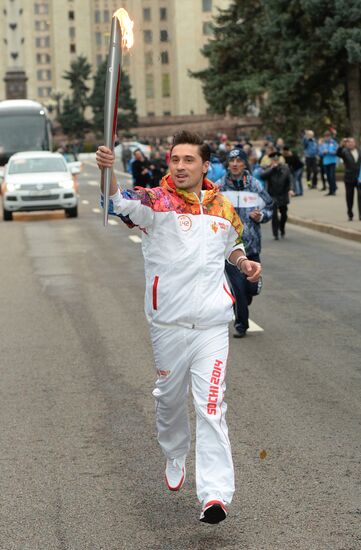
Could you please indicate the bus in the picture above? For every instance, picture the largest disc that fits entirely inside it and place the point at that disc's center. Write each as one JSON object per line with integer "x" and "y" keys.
{"x": 24, "y": 126}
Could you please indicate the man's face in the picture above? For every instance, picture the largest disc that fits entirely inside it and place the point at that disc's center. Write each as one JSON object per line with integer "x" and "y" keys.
{"x": 138, "y": 155}
{"x": 350, "y": 143}
{"x": 236, "y": 166}
{"x": 187, "y": 167}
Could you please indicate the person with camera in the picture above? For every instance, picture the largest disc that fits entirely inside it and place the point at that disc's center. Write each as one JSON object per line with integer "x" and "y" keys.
{"x": 351, "y": 156}
{"x": 310, "y": 148}
{"x": 327, "y": 152}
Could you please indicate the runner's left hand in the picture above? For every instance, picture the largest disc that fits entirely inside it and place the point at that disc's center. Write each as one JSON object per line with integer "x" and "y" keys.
{"x": 252, "y": 270}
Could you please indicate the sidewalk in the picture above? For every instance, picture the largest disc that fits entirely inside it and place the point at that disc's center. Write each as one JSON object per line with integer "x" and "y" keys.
{"x": 326, "y": 214}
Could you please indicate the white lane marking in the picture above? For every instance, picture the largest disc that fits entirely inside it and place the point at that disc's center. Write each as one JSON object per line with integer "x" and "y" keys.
{"x": 135, "y": 239}
{"x": 85, "y": 202}
{"x": 113, "y": 222}
{"x": 93, "y": 183}
{"x": 96, "y": 210}
{"x": 253, "y": 327}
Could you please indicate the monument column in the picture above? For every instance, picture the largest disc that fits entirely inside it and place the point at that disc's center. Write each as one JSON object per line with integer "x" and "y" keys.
{"x": 15, "y": 76}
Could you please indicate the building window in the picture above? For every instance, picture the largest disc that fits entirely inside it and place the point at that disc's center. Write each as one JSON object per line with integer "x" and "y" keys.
{"x": 71, "y": 15}
{"x": 99, "y": 60}
{"x": 44, "y": 91}
{"x": 41, "y": 9}
{"x": 149, "y": 86}
{"x": 148, "y": 37}
{"x": 106, "y": 16}
{"x": 98, "y": 38}
{"x": 72, "y": 48}
{"x": 164, "y": 36}
{"x": 163, "y": 14}
{"x": 97, "y": 16}
{"x": 167, "y": 113}
{"x": 147, "y": 14}
{"x": 165, "y": 85}
{"x": 164, "y": 57}
{"x": 43, "y": 58}
{"x": 207, "y": 28}
{"x": 42, "y": 42}
{"x": 207, "y": 5}
{"x": 148, "y": 58}
{"x": 72, "y": 33}
{"x": 151, "y": 113}
{"x": 41, "y": 25}
{"x": 43, "y": 74}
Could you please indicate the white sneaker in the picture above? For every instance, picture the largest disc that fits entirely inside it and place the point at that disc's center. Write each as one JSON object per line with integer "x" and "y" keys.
{"x": 213, "y": 512}
{"x": 175, "y": 473}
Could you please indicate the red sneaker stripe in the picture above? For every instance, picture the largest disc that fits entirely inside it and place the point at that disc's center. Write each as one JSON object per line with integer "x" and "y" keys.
{"x": 179, "y": 484}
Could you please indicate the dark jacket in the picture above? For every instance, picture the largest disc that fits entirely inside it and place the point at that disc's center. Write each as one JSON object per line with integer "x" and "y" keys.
{"x": 247, "y": 184}
{"x": 352, "y": 168}
{"x": 159, "y": 169}
{"x": 141, "y": 180}
{"x": 294, "y": 162}
{"x": 278, "y": 179}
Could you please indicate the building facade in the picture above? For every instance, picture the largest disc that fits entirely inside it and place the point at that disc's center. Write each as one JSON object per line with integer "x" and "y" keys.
{"x": 43, "y": 37}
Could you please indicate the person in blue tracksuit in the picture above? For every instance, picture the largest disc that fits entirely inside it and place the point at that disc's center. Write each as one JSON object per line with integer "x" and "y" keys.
{"x": 254, "y": 206}
{"x": 216, "y": 169}
{"x": 327, "y": 151}
{"x": 310, "y": 149}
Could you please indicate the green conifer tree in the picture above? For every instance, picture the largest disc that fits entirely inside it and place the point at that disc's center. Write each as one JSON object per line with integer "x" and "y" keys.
{"x": 127, "y": 116}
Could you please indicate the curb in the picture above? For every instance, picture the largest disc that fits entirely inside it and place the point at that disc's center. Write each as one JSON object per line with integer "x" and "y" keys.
{"x": 327, "y": 228}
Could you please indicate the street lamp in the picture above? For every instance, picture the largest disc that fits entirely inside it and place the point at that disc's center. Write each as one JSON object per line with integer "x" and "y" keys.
{"x": 57, "y": 95}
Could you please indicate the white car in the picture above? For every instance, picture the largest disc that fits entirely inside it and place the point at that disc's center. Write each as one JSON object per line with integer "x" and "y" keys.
{"x": 39, "y": 180}
{"x": 133, "y": 146}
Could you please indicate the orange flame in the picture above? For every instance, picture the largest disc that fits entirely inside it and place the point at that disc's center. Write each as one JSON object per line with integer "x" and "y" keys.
{"x": 126, "y": 25}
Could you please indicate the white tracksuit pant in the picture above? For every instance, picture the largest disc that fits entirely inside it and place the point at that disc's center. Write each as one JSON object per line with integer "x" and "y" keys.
{"x": 184, "y": 354}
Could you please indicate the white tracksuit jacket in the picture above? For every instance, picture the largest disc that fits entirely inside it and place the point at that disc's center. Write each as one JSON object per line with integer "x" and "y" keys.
{"x": 188, "y": 305}
{"x": 184, "y": 246}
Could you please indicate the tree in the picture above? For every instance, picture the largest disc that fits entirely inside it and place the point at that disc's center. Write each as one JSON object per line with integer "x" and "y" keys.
{"x": 298, "y": 59}
{"x": 127, "y": 115}
{"x": 71, "y": 119}
{"x": 231, "y": 83}
{"x": 78, "y": 75}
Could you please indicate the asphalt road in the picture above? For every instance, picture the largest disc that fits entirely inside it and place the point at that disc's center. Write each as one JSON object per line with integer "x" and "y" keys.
{"x": 80, "y": 466}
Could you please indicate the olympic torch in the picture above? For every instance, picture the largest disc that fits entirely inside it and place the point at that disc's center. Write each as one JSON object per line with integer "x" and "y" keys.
{"x": 121, "y": 36}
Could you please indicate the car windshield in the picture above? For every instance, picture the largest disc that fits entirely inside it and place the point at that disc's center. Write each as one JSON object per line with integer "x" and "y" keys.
{"x": 32, "y": 165}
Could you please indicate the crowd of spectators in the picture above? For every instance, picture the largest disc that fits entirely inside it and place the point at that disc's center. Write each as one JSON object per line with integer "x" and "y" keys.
{"x": 312, "y": 164}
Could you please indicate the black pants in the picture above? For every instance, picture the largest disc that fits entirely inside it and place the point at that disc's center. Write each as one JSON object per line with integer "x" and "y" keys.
{"x": 311, "y": 170}
{"x": 350, "y": 192}
{"x": 330, "y": 170}
{"x": 279, "y": 222}
{"x": 243, "y": 292}
{"x": 323, "y": 176}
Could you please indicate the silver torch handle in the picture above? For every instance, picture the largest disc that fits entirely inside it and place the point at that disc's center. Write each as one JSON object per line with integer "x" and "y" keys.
{"x": 111, "y": 102}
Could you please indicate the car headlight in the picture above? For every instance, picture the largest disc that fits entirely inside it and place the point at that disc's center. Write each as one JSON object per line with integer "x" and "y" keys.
{"x": 11, "y": 187}
{"x": 67, "y": 184}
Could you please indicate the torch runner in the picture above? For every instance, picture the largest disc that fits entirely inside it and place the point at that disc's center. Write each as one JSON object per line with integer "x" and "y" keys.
{"x": 121, "y": 36}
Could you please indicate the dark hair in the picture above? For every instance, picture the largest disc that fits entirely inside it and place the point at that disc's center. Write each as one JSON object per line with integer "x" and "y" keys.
{"x": 192, "y": 138}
